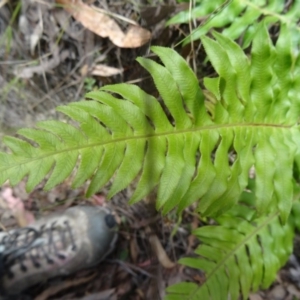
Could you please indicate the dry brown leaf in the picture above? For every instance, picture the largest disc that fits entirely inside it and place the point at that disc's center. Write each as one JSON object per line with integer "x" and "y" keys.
{"x": 160, "y": 252}
{"x": 105, "y": 71}
{"x": 52, "y": 290}
{"x": 104, "y": 295}
{"x": 104, "y": 26}
{"x": 134, "y": 249}
{"x": 32, "y": 32}
{"x": 192, "y": 238}
{"x": 16, "y": 206}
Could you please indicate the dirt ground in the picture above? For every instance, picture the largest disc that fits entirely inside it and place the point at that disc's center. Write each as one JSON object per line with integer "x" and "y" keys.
{"x": 51, "y": 54}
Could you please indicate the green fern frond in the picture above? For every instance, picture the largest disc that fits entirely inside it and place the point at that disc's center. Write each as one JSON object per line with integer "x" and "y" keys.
{"x": 241, "y": 254}
{"x": 239, "y": 18}
{"x": 202, "y": 147}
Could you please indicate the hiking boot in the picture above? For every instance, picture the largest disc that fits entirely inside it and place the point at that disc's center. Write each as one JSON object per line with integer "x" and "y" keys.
{"x": 59, "y": 244}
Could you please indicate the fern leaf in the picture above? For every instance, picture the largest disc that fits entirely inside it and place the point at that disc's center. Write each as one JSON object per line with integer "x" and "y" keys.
{"x": 200, "y": 148}
{"x": 238, "y": 18}
{"x": 241, "y": 254}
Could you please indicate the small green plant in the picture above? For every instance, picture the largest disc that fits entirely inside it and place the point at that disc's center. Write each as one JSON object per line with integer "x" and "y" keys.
{"x": 7, "y": 36}
{"x": 232, "y": 148}
{"x": 89, "y": 84}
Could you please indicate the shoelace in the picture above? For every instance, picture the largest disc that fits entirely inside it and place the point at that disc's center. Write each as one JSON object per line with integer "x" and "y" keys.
{"x": 10, "y": 249}
{"x": 15, "y": 246}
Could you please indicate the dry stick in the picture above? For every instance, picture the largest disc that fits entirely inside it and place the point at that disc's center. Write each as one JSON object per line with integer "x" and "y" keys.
{"x": 52, "y": 290}
{"x": 59, "y": 86}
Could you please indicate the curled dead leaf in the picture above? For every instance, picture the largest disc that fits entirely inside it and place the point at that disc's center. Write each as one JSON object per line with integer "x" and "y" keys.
{"x": 104, "y": 26}
{"x": 160, "y": 252}
{"x": 16, "y": 206}
{"x": 134, "y": 249}
{"x": 105, "y": 71}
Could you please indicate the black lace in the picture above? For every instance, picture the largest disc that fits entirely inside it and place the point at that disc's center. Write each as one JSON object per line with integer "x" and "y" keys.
{"x": 10, "y": 250}
{"x": 16, "y": 246}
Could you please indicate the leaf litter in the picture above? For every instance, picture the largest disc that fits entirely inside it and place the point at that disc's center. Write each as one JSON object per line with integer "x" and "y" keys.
{"x": 15, "y": 206}
{"x": 104, "y": 26}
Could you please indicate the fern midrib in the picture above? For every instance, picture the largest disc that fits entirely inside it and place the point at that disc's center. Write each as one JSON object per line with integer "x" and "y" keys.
{"x": 149, "y": 136}
{"x": 236, "y": 249}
